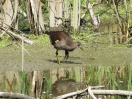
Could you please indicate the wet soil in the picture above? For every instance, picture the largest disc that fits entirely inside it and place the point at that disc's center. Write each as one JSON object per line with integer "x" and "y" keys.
{"x": 42, "y": 57}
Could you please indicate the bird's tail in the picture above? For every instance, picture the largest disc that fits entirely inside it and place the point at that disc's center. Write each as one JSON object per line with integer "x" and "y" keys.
{"x": 47, "y": 32}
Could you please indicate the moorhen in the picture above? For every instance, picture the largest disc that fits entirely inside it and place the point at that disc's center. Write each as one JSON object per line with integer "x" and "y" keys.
{"x": 63, "y": 41}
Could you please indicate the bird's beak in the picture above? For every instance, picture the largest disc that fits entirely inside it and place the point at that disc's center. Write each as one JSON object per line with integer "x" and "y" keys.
{"x": 81, "y": 48}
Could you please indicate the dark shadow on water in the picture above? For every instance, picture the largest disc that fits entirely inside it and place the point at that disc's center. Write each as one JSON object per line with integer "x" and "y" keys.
{"x": 70, "y": 62}
{"x": 88, "y": 58}
{"x": 80, "y": 58}
{"x": 71, "y": 59}
{"x": 64, "y": 61}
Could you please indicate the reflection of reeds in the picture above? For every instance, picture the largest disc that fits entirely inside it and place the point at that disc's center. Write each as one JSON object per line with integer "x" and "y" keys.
{"x": 47, "y": 88}
{"x": 129, "y": 79}
{"x": 112, "y": 77}
{"x": 24, "y": 82}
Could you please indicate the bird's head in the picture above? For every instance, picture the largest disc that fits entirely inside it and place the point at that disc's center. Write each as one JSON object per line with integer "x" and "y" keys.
{"x": 79, "y": 45}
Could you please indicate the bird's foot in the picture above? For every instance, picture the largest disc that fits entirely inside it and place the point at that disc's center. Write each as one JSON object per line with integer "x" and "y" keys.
{"x": 58, "y": 60}
{"x": 66, "y": 57}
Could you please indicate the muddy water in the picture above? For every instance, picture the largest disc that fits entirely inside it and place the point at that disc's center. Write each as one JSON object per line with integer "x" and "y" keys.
{"x": 42, "y": 57}
{"x": 65, "y": 76}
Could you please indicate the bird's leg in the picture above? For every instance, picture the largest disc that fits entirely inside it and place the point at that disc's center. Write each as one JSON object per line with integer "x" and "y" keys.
{"x": 57, "y": 57}
{"x": 66, "y": 55}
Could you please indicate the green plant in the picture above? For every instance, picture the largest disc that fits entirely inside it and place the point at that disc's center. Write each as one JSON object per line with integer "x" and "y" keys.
{"x": 4, "y": 41}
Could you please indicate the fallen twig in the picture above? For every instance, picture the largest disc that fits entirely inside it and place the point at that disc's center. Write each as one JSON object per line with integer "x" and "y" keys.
{"x": 128, "y": 40}
{"x": 96, "y": 34}
{"x": 16, "y": 35}
{"x": 76, "y": 93}
{"x": 14, "y": 95}
{"x": 91, "y": 93}
{"x": 112, "y": 92}
{"x": 96, "y": 92}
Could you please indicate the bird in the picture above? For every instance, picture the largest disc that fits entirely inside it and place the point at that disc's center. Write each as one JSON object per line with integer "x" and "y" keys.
{"x": 63, "y": 41}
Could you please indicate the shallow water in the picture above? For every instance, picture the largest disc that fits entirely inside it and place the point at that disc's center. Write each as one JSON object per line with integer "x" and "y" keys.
{"x": 60, "y": 81}
{"x": 98, "y": 64}
{"x": 43, "y": 57}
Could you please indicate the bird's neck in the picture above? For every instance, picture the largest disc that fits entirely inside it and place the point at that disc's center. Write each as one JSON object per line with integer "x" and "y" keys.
{"x": 72, "y": 47}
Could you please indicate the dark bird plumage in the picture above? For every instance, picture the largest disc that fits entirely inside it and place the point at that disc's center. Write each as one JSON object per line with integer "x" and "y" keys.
{"x": 62, "y": 41}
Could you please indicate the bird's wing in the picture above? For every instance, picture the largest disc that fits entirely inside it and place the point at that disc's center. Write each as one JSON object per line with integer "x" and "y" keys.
{"x": 68, "y": 39}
